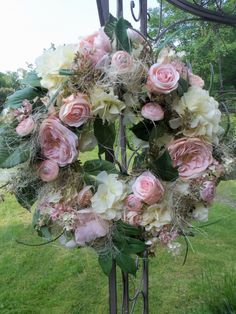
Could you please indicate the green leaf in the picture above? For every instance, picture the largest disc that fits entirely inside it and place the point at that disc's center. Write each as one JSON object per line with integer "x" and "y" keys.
{"x": 128, "y": 245}
{"x": 95, "y": 166}
{"x": 15, "y": 100}
{"x": 123, "y": 42}
{"x": 105, "y": 134}
{"x": 163, "y": 167}
{"x": 105, "y": 261}
{"x": 27, "y": 195}
{"x": 109, "y": 28}
{"x": 31, "y": 79}
{"x": 127, "y": 229}
{"x": 126, "y": 263}
{"x": 12, "y": 156}
{"x": 143, "y": 129}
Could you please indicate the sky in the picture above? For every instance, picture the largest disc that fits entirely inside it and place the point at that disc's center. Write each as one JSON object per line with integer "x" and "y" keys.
{"x": 29, "y": 26}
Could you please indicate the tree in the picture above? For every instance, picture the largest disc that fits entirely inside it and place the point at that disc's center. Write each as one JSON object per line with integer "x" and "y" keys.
{"x": 204, "y": 43}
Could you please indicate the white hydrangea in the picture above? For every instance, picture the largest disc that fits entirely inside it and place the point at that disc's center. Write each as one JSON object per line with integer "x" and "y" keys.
{"x": 107, "y": 200}
{"x": 51, "y": 61}
{"x": 156, "y": 216}
{"x": 106, "y": 105}
{"x": 200, "y": 114}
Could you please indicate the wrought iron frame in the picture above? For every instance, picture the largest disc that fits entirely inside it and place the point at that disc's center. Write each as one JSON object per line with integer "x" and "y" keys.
{"x": 196, "y": 8}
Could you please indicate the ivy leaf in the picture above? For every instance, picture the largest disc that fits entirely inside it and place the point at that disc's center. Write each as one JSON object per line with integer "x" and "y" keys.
{"x": 109, "y": 28}
{"x": 31, "y": 79}
{"x": 163, "y": 167}
{"x": 95, "y": 166}
{"x": 143, "y": 129}
{"x": 105, "y": 134}
{"x": 15, "y": 100}
{"x": 12, "y": 156}
{"x": 105, "y": 261}
{"x": 123, "y": 42}
{"x": 126, "y": 263}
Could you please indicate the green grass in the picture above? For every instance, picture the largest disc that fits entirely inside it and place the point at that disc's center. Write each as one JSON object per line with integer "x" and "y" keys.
{"x": 55, "y": 280}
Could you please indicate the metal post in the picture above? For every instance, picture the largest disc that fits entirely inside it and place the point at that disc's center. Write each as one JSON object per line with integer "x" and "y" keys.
{"x": 125, "y": 296}
{"x": 145, "y": 283}
{"x": 143, "y": 17}
{"x": 112, "y": 290}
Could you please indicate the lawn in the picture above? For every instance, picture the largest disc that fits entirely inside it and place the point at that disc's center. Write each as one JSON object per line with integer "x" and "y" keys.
{"x": 55, "y": 280}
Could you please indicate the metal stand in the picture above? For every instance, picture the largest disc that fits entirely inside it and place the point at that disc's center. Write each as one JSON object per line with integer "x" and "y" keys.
{"x": 129, "y": 303}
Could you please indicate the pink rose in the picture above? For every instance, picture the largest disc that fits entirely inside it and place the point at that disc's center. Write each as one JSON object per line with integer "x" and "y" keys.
{"x": 57, "y": 142}
{"x": 48, "y": 170}
{"x": 122, "y": 61}
{"x": 152, "y": 111}
{"x": 148, "y": 188}
{"x": 162, "y": 78}
{"x": 208, "y": 191}
{"x": 191, "y": 155}
{"x": 195, "y": 80}
{"x": 84, "y": 197}
{"x": 76, "y": 110}
{"x": 25, "y": 127}
{"x": 133, "y": 218}
{"x": 90, "y": 227}
{"x": 133, "y": 203}
{"x": 95, "y": 46}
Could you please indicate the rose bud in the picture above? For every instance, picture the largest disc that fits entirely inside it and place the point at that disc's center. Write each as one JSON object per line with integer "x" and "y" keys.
{"x": 25, "y": 127}
{"x": 152, "y": 111}
{"x": 48, "y": 170}
{"x": 122, "y": 61}
{"x": 133, "y": 203}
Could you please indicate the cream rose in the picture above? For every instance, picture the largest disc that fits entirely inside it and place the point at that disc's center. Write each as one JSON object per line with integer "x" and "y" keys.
{"x": 199, "y": 113}
{"x": 76, "y": 110}
{"x": 191, "y": 155}
{"x": 53, "y": 60}
{"x": 25, "y": 127}
{"x": 48, "y": 170}
{"x": 162, "y": 78}
{"x": 57, "y": 142}
{"x": 152, "y": 111}
{"x": 148, "y": 188}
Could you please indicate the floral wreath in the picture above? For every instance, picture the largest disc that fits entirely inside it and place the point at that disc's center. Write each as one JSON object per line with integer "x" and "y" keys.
{"x": 108, "y": 92}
